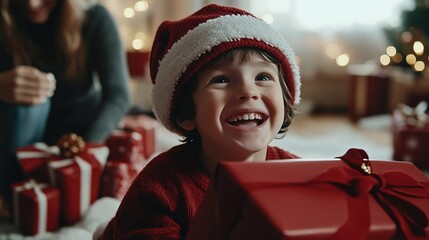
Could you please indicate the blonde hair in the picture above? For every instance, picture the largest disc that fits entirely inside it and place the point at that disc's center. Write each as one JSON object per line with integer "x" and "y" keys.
{"x": 69, "y": 44}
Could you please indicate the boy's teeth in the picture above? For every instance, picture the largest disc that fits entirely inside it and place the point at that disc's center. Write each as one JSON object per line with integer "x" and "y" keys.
{"x": 248, "y": 116}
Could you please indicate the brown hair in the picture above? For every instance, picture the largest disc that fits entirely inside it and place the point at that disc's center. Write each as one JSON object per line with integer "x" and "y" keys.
{"x": 185, "y": 109}
{"x": 69, "y": 16}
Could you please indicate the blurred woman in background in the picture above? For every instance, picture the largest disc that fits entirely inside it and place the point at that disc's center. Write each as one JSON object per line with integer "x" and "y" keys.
{"x": 62, "y": 69}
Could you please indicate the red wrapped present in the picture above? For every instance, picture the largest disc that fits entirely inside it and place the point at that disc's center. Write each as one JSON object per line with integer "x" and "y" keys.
{"x": 308, "y": 199}
{"x": 34, "y": 159}
{"x": 117, "y": 178}
{"x": 79, "y": 181}
{"x": 146, "y": 126}
{"x": 367, "y": 94}
{"x": 36, "y": 207}
{"x": 410, "y": 137}
{"x": 126, "y": 146}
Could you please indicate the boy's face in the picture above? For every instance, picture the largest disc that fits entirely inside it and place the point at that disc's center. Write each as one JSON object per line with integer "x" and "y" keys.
{"x": 239, "y": 107}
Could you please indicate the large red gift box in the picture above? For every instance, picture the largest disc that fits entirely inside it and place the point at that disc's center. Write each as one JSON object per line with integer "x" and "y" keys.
{"x": 79, "y": 181}
{"x": 34, "y": 159}
{"x": 308, "y": 199}
{"x": 146, "y": 126}
{"x": 36, "y": 207}
{"x": 410, "y": 142}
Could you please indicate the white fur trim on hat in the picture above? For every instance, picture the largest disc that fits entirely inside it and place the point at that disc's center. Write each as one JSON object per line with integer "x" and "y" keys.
{"x": 202, "y": 39}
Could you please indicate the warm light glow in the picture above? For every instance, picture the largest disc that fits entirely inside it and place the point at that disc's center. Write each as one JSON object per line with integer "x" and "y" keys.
{"x": 384, "y": 59}
{"x": 138, "y": 44}
{"x": 411, "y": 59}
{"x": 129, "y": 12}
{"x": 391, "y": 51}
{"x": 406, "y": 37}
{"x": 340, "y": 13}
{"x": 141, "y": 6}
{"x": 332, "y": 50}
{"x": 268, "y": 18}
{"x": 397, "y": 58}
{"x": 419, "y": 66}
{"x": 140, "y": 35}
{"x": 343, "y": 60}
{"x": 418, "y": 47}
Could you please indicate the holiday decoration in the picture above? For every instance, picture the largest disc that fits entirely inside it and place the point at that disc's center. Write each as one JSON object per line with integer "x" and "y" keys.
{"x": 410, "y": 42}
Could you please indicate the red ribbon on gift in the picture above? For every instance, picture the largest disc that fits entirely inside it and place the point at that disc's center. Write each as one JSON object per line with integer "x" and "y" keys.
{"x": 390, "y": 190}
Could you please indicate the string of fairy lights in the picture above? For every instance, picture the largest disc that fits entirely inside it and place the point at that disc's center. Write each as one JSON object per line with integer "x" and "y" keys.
{"x": 139, "y": 7}
{"x": 413, "y": 53}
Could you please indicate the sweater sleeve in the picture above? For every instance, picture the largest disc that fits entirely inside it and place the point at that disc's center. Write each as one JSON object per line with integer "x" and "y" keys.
{"x": 108, "y": 56}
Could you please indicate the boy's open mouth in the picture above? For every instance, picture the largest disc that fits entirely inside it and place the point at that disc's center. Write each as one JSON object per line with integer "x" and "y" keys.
{"x": 247, "y": 119}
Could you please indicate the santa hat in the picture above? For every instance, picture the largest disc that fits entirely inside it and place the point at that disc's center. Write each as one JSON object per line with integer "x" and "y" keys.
{"x": 183, "y": 47}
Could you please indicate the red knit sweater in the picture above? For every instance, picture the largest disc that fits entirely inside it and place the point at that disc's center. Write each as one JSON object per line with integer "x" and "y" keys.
{"x": 165, "y": 196}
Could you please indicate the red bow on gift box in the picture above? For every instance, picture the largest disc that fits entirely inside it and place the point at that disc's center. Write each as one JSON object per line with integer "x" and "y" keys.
{"x": 389, "y": 189}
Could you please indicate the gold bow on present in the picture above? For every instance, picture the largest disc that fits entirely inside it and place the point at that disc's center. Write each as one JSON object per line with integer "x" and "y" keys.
{"x": 70, "y": 144}
{"x": 415, "y": 116}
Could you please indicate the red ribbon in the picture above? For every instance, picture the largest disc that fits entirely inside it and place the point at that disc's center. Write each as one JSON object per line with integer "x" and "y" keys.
{"x": 391, "y": 190}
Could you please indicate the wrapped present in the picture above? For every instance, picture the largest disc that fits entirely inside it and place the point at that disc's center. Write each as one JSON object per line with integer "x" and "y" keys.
{"x": 79, "y": 181}
{"x": 406, "y": 88}
{"x": 34, "y": 159}
{"x": 352, "y": 198}
{"x": 126, "y": 146}
{"x": 117, "y": 178}
{"x": 36, "y": 207}
{"x": 410, "y": 127}
{"x": 146, "y": 126}
{"x": 367, "y": 94}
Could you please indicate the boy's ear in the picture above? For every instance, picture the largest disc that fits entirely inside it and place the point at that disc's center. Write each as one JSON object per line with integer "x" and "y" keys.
{"x": 187, "y": 124}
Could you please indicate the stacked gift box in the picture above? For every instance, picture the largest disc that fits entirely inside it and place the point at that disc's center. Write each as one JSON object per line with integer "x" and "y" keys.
{"x": 66, "y": 179}
{"x": 65, "y": 184}
{"x": 131, "y": 148}
{"x": 347, "y": 198}
{"x": 410, "y": 127}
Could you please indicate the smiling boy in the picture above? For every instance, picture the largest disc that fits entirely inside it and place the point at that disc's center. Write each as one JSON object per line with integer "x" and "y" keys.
{"x": 226, "y": 82}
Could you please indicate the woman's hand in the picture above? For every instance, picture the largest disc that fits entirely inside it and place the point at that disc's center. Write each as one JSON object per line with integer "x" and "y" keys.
{"x": 26, "y": 85}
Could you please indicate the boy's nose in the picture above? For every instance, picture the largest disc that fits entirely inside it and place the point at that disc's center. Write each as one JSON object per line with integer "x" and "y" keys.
{"x": 246, "y": 91}
{"x": 32, "y": 4}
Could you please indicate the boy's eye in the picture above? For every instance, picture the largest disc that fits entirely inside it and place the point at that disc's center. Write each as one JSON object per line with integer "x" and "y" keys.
{"x": 219, "y": 79}
{"x": 263, "y": 77}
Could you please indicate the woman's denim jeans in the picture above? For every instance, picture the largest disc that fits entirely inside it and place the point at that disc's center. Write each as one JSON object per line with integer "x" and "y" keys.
{"x": 20, "y": 125}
